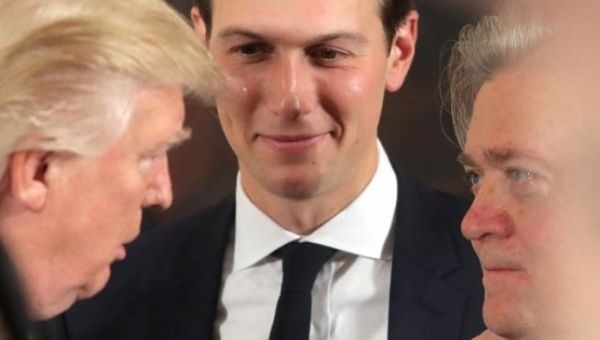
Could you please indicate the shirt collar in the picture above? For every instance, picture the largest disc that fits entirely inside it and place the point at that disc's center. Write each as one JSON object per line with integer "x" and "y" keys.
{"x": 362, "y": 228}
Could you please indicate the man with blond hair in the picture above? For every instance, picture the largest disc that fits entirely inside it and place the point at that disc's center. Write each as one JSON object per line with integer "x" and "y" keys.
{"x": 91, "y": 99}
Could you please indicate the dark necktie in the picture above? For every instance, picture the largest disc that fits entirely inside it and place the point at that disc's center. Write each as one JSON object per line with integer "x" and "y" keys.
{"x": 302, "y": 261}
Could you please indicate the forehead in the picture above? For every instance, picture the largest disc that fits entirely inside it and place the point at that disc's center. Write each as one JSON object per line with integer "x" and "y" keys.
{"x": 297, "y": 16}
{"x": 158, "y": 114}
{"x": 528, "y": 108}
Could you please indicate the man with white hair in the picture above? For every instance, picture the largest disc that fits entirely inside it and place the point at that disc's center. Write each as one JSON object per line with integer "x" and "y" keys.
{"x": 523, "y": 85}
{"x": 91, "y": 99}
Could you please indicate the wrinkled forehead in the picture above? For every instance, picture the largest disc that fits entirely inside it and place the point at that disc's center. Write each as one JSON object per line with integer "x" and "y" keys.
{"x": 545, "y": 105}
{"x": 553, "y": 86}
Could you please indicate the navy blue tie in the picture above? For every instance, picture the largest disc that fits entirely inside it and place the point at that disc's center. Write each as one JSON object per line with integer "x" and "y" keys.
{"x": 302, "y": 261}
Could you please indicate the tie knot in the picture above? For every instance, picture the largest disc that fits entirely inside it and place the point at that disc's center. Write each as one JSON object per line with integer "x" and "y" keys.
{"x": 302, "y": 261}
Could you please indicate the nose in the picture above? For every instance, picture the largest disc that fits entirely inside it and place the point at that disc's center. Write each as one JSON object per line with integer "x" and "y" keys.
{"x": 487, "y": 217}
{"x": 290, "y": 86}
{"x": 159, "y": 192}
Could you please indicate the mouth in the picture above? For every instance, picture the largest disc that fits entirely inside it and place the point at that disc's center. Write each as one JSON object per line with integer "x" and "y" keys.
{"x": 500, "y": 270}
{"x": 500, "y": 266}
{"x": 504, "y": 275}
{"x": 292, "y": 142}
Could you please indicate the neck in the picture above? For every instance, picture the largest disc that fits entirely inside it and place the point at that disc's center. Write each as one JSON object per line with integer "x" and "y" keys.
{"x": 304, "y": 215}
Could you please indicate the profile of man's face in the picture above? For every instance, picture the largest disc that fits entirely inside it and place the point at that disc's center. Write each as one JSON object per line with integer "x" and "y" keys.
{"x": 306, "y": 85}
{"x": 93, "y": 206}
{"x": 533, "y": 223}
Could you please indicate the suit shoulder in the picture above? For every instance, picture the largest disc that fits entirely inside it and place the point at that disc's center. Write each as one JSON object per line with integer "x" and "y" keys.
{"x": 423, "y": 199}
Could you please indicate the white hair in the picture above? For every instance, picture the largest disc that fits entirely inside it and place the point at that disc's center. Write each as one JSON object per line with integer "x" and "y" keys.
{"x": 484, "y": 48}
{"x": 69, "y": 69}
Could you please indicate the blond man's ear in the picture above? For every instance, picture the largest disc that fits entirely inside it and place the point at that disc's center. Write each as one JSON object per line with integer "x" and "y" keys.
{"x": 26, "y": 174}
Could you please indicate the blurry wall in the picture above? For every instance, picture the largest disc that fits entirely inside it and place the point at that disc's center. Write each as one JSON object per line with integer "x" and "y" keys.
{"x": 416, "y": 133}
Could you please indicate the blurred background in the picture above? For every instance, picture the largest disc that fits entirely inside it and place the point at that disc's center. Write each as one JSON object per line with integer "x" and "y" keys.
{"x": 414, "y": 129}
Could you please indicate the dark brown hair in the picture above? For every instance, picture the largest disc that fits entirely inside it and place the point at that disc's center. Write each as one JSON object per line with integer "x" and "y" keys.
{"x": 392, "y": 14}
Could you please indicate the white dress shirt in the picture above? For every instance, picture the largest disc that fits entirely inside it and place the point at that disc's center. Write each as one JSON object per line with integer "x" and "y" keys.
{"x": 350, "y": 297}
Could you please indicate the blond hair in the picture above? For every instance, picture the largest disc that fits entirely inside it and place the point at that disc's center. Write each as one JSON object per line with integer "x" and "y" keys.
{"x": 484, "y": 48}
{"x": 69, "y": 69}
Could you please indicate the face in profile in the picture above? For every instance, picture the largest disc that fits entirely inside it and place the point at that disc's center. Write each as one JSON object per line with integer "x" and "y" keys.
{"x": 533, "y": 221}
{"x": 304, "y": 101}
{"x": 92, "y": 206}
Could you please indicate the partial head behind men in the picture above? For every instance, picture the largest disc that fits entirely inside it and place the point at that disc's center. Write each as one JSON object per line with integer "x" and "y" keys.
{"x": 392, "y": 13}
{"x": 90, "y": 101}
{"x": 525, "y": 112}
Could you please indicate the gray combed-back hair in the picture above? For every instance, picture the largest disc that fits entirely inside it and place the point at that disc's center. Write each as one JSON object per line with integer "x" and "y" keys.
{"x": 484, "y": 48}
{"x": 69, "y": 69}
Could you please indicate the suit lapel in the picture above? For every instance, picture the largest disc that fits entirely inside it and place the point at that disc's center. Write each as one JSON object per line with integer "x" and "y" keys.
{"x": 424, "y": 303}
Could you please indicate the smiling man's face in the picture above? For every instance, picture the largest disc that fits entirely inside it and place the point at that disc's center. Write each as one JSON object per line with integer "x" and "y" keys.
{"x": 307, "y": 80}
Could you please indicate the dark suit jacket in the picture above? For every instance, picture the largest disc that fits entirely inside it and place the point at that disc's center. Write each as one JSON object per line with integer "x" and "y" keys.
{"x": 169, "y": 286}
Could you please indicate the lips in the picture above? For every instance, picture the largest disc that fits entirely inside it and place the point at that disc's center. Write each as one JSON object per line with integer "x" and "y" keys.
{"x": 500, "y": 274}
{"x": 121, "y": 254}
{"x": 292, "y": 142}
{"x": 501, "y": 270}
{"x": 500, "y": 265}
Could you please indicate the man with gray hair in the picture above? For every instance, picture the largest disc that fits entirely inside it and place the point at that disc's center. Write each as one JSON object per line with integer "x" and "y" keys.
{"x": 91, "y": 99}
{"x": 523, "y": 89}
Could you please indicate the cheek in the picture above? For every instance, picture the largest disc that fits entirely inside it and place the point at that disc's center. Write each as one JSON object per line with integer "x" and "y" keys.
{"x": 236, "y": 103}
{"x": 354, "y": 96}
{"x": 242, "y": 84}
{"x": 541, "y": 231}
{"x": 126, "y": 192}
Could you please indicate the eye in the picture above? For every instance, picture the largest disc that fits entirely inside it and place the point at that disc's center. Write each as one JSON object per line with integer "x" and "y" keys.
{"x": 519, "y": 175}
{"x": 326, "y": 54}
{"x": 252, "y": 51}
{"x": 473, "y": 179}
{"x": 146, "y": 162}
{"x": 526, "y": 183}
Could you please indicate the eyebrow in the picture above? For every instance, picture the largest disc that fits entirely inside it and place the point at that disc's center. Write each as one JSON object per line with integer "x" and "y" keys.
{"x": 465, "y": 159}
{"x": 240, "y": 32}
{"x": 499, "y": 156}
{"x": 178, "y": 138}
{"x": 175, "y": 140}
{"x": 494, "y": 156}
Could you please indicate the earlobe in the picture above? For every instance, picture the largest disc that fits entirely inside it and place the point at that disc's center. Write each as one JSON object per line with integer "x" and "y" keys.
{"x": 402, "y": 51}
{"x": 199, "y": 24}
{"x": 27, "y": 171}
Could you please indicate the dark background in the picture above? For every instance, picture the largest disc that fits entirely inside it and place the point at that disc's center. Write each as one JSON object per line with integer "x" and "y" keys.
{"x": 415, "y": 131}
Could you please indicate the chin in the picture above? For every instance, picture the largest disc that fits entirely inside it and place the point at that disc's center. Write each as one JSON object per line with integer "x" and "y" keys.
{"x": 298, "y": 188}
{"x": 95, "y": 285}
{"x": 507, "y": 319}
{"x": 49, "y": 308}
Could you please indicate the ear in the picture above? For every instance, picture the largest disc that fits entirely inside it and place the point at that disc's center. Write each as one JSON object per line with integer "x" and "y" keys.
{"x": 402, "y": 51}
{"x": 199, "y": 24}
{"x": 28, "y": 185}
